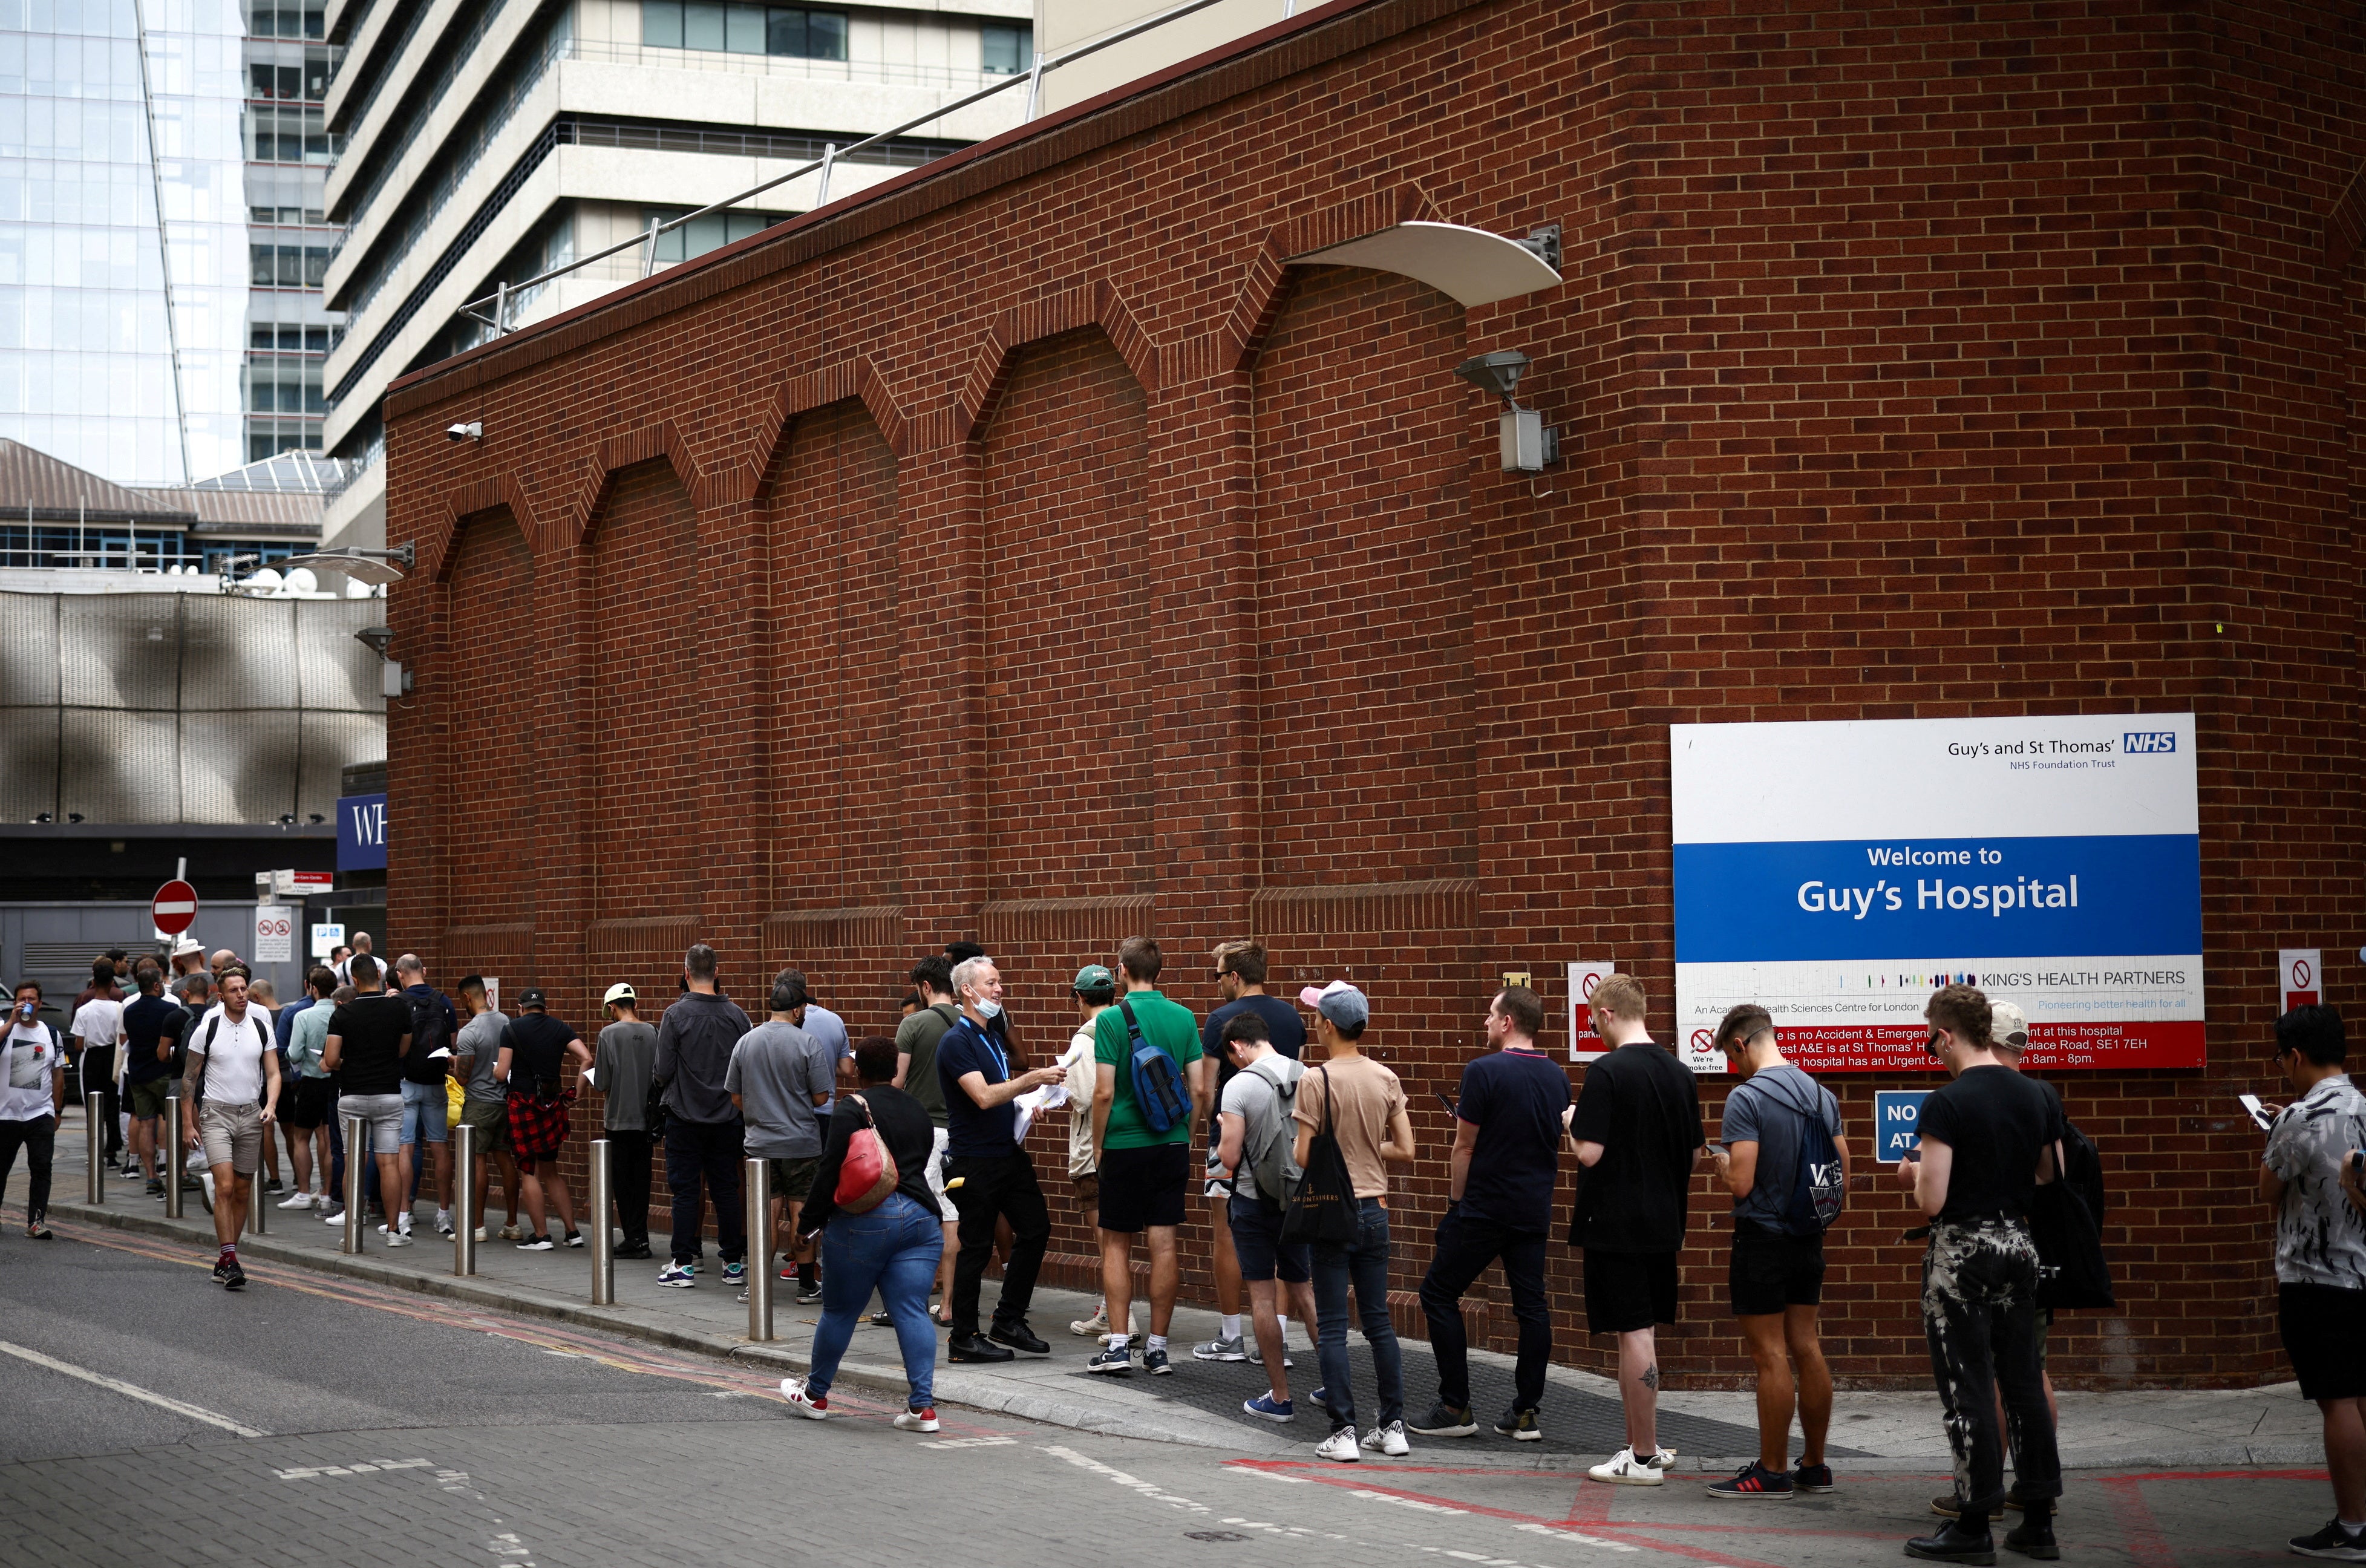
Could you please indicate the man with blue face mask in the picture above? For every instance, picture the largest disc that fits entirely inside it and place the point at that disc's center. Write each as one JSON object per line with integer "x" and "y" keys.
{"x": 987, "y": 1175}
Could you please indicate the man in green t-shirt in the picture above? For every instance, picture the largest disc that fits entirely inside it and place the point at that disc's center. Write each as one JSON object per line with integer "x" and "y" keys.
{"x": 1145, "y": 1173}
{"x": 916, "y": 1075}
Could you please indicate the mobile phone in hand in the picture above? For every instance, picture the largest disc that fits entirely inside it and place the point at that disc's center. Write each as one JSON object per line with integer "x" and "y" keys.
{"x": 1450, "y": 1111}
{"x": 2258, "y": 1112}
{"x": 1913, "y": 1155}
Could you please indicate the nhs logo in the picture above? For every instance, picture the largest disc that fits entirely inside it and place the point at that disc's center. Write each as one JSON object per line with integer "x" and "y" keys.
{"x": 2138, "y": 742}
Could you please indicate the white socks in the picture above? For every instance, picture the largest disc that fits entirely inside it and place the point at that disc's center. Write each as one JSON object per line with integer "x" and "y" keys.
{"x": 1155, "y": 1342}
{"x": 1117, "y": 1344}
{"x": 1232, "y": 1329}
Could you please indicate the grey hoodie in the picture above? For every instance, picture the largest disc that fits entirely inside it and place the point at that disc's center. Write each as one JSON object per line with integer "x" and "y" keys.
{"x": 695, "y": 1041}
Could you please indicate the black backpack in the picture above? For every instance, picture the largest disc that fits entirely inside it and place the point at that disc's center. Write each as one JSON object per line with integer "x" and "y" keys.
{"x": 429, "y": 1032}
{"x": 2066, "y": 1220}
{"x": 1818, "y": 1187}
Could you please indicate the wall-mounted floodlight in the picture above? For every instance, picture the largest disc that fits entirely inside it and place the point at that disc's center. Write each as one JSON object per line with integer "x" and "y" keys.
{"x": 472, "y": 431}
{"x": 1529, "y": 443}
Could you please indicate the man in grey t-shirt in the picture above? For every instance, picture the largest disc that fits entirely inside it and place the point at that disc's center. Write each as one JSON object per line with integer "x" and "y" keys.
{"x": 484, "y": 1104}
{"x": 779, "y": 1077}
{"x": 621, "y": 1071}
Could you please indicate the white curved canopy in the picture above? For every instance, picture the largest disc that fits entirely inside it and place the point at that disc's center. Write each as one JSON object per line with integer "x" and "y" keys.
{"x": 1471, "y": 264}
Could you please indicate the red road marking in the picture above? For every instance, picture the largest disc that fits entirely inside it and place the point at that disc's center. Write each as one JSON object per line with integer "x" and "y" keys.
{"x": 2138, "y": 1533}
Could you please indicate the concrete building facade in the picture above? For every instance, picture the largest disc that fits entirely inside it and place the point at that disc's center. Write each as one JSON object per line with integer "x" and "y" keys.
{"x": 1038, "y": 547}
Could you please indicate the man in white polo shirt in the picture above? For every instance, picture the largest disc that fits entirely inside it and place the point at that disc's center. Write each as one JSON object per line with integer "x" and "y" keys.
{"x": 232, "y": 1063}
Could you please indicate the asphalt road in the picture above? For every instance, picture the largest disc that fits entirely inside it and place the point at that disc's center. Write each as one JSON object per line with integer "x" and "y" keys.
{"x": 311, "y": 1419}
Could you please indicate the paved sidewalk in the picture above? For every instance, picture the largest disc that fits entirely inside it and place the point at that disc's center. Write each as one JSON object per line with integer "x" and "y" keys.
{"x": 1873, "y": 1431}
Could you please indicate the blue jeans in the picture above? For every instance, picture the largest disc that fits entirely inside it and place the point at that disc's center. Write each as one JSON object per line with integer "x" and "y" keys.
{"x": 1364, "y": 1263}
{"x": 427, "y": 1113}
{"x": 894, "y": 1250}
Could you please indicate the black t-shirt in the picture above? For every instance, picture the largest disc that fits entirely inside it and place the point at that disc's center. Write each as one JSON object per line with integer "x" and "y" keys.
{"x": 147, "y": 1021}
{"x": 372, "y": 1027}
{"x": 537, "y": 1047}
{"x": 1643, "y": 1107}
{"x": 1514, "y": 1099}
{"x": 1281, "y": 1022}
{"x": 1998, "y": 1124}
{"x": 903, "y": 1126}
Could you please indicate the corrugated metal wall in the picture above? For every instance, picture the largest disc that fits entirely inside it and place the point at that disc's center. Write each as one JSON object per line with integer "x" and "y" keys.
{"x": 183, "y": 707}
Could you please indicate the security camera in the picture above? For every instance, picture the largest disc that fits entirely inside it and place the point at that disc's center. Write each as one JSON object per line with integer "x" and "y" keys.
{"x": 379, "y": 639}
{"x": 472, "y": 431}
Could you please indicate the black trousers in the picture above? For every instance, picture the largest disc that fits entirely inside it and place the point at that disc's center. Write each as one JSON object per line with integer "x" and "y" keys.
{"x": 707, "y": 1152}
{"x": 1465, "y": 1246}
{"x": 39, "y": 1139}
{"x": 1979, "y": 1314}
{"x": 989, "y": 1188}
{"x": 98, "y": 1073}
{"x": 628, "y": 1176}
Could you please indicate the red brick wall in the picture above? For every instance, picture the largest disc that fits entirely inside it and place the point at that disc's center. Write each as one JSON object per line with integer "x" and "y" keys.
{"x": 1909, "y": 363}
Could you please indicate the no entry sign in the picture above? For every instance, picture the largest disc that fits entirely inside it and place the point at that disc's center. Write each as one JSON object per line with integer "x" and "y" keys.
{"x": 175, "y": 908}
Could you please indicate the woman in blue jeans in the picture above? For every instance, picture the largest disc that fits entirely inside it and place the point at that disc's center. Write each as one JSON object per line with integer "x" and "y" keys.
{"x": 893, "y": 1249}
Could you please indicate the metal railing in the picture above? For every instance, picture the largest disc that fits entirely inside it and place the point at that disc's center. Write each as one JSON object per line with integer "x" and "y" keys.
{"x": 500, "y": 299}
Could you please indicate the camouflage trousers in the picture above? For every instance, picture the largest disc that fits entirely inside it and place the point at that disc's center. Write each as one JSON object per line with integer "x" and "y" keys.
{"x": 1979, "y": 1314}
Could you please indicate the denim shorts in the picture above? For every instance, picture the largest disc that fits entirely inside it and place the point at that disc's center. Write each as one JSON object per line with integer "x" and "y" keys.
{"x": 382, "y": 1117}
{"x": 1257, "y": 1242}
{"x": 426, "y": 1113}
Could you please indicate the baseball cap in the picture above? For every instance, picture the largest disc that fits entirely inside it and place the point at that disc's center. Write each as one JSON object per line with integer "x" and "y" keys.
{"x": 532, "y": 997}
{"x": 2007, "y": 1027}
{"x": 1338, "y": 1001}
{"x": 620, "y": 992}
{"x": 1094, "y": 977}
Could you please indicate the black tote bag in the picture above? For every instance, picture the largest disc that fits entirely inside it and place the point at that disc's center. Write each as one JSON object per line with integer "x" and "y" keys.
{"x": 2072, "y": 1270}
{"x": 1322, "y": 1208}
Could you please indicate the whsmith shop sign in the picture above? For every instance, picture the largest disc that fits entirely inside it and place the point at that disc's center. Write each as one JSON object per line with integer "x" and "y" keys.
{"x": 1837, "y": 874}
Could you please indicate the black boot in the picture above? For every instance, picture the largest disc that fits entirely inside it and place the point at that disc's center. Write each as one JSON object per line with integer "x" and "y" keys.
{"x": 1961, "y": 1539}
{"x": 2034, "y": 1536}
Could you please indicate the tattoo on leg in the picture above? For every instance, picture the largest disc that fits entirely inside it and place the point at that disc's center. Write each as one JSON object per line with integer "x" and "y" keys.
{"x": 1651, "y": 1378}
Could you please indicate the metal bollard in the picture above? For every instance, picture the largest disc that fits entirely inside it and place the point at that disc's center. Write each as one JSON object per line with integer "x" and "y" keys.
{"x": 759, "y": 1186}
{"x": 175, "y": 1163}
{"x": 604, "y": 1240}
{"x": 255, "y": 1205}
{"x": 93, "y": 1106}
{"x": 464, "y": 1179}
{"x": 357, "y": 1151}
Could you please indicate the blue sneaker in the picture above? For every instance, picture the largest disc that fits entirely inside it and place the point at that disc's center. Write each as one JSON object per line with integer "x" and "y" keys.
{"x": 734, "y": 1273}
{"x": 677, "y": 1276}
{"x": 1265, "y": 1405}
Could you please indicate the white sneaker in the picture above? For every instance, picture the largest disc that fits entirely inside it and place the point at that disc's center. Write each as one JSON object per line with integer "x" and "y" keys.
{"x": 512, "y": 1231}
{"x": 1094, "y": 1327}
{"x": 480, "y": 1234}
{"x": 793, "y": 1391}
{"x": 1665, "y": 1460}
{"x": 1389, "y": 1439}
{"x": 442, "y": 1222}
{"x": 917, "y": 1420}
{"x": 300, "y": 1201}
{"x": 335, "y": 1216}
{"x": 1341, "y": 1445}
{"x": 400, "y": 1238}
{"x": 1623, "y": 1469}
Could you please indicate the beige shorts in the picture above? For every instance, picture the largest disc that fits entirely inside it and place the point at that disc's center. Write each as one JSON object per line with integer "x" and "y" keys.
{"x": 232, "y": 1135}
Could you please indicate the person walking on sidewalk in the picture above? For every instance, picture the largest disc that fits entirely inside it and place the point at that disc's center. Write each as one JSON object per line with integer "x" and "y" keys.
{"x": 1363, "y": 1106}
{"x": 987, "y": 1174}
{"x": 1499, "y": 1197}
{"x": 1774, "y": 1273}
{"x": 308, "y": 1104}
{"x": 891, "y": 1248}
{"x": 1144, "y": 1167}
{"x": 1637, "y": 1126}
{"x": 915, "y": 1074}
{"x": 98, "y": 1031}
{"x": 232, "y": 1056}
{"x": 778, "y": 1076}
{"x": 704, "y": 1134}
{"x": 2311, "y": 1175}
{"x": 622, "y": 1067}
{"x": 1240, "y": 983}
{"x": 1094, "y": 990}
{"x": 485, "y": 1102}
{"x": 1987, "y": 1143}
{"x": 368, "y": 1037}
{"x": 533, "y": 1064}
{"x": 1255, "y": 1138}
{"x": 427, "y": 1103}
{"x": 32, "y": 1098}
{"x": 152, "y": 1022}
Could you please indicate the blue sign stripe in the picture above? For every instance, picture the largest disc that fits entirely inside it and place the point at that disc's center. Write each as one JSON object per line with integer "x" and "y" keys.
{"x": 361, "y": 832}
{"x": 1897, "y": 899}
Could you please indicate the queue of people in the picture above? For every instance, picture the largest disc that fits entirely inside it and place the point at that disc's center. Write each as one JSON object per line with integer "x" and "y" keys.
{"x": 898, "y": 1169}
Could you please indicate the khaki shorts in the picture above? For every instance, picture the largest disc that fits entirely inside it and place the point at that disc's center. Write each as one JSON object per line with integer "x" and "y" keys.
{"x": 147, "y": 1098}
{"x": 1087, "y": 1185}
{"x": 792, "y": 1180}
{"x": 232, "y": 1135}
{"x": 490, "y": 1118}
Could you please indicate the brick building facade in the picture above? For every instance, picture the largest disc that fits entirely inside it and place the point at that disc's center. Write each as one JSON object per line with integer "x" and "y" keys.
{"x": 1024, "y": 549}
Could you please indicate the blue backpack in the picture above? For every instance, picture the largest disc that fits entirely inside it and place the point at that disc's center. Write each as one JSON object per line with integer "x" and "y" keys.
{"x": 1158, "y": 1088}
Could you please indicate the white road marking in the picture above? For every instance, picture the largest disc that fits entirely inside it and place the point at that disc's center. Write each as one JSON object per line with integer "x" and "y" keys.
{"x": 973, "y": 1443}
{"x": 131, "y": 1391}
{"x": 1271, "y": 1475}
{"x": 1406, "y": 1502}
{"x": 1149, "y": 1489}
{"x": 369, "y": 1467}
{"x": 1574, "y": 1535}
